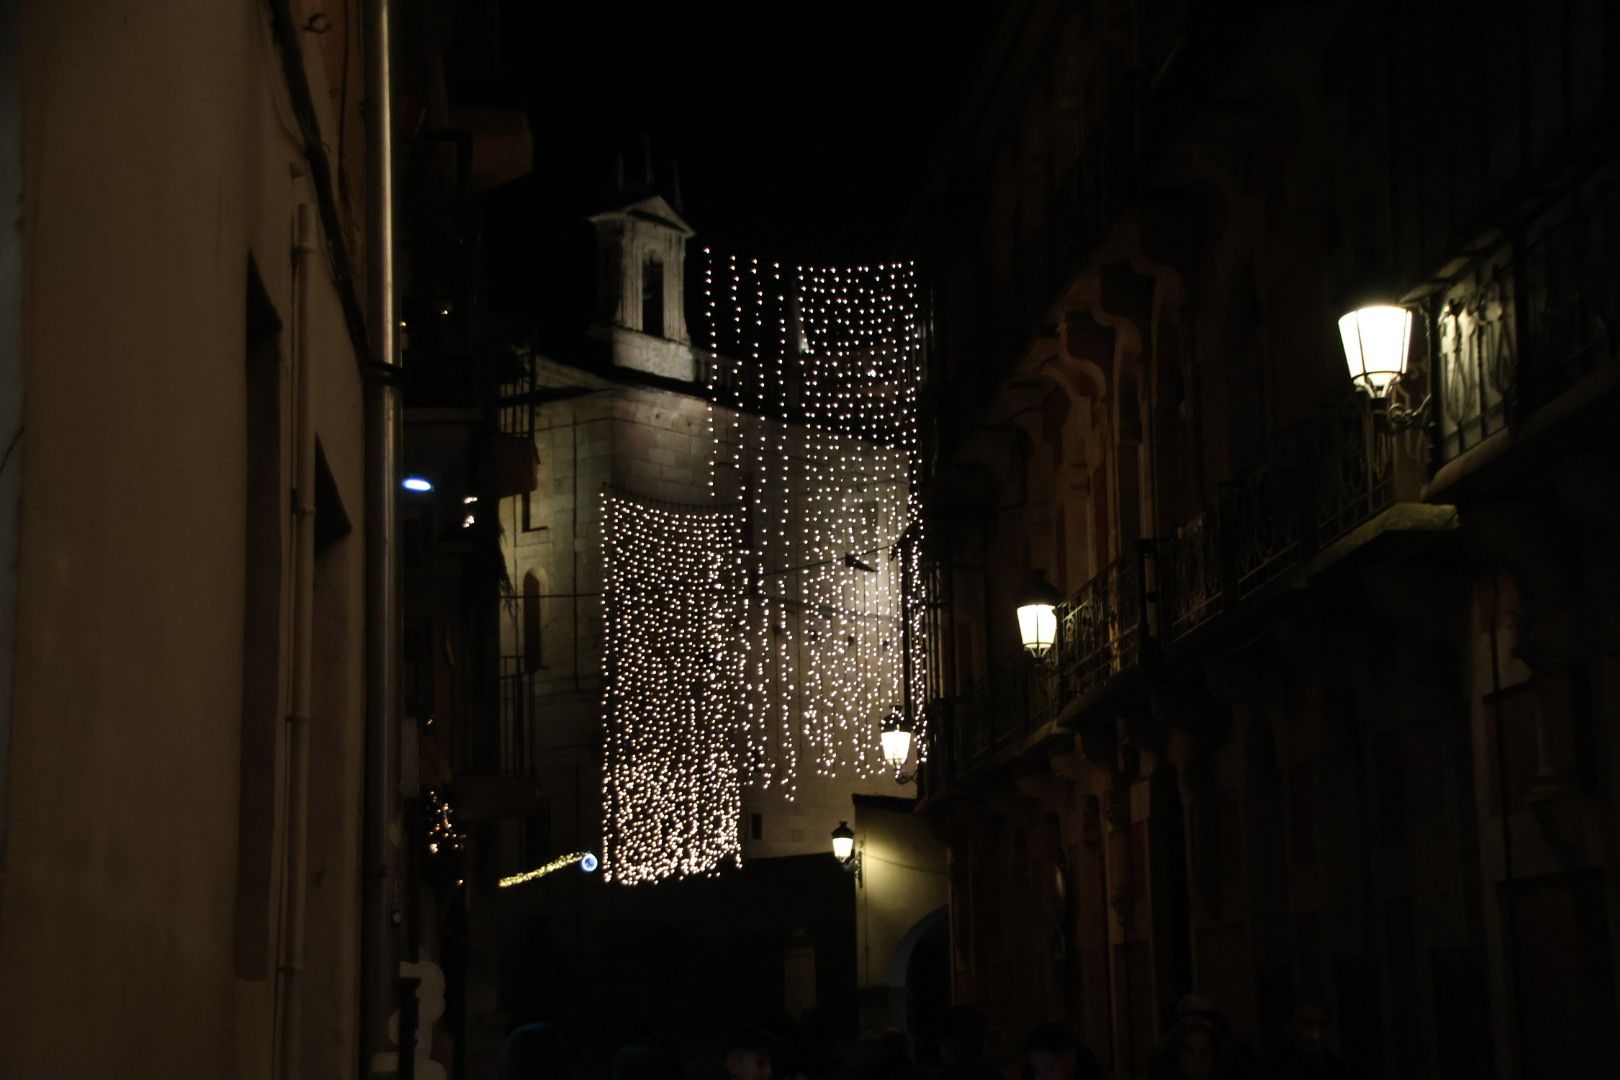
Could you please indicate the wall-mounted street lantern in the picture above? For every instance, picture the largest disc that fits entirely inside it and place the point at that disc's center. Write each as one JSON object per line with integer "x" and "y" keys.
{"x": 843, "y": 843}
{"x": 897, "y": 738}
{"x": 1037, "y": 615}
{"x": 1376, "y": 340}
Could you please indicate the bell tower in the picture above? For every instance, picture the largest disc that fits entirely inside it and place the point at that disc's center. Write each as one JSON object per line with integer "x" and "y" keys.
{"x": 641, "y": 288}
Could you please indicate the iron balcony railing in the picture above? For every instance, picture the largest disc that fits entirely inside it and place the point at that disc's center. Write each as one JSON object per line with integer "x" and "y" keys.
{"x": 500, "y": 742}
{"x": 1530, "y": 318}
{"x": 1194, "y": 574}
{"x": 1260, "y": 514}
{"x": 1331, "y": 474}
{"x": 1016, "y": 699}
{"x": 1102, "y": 627}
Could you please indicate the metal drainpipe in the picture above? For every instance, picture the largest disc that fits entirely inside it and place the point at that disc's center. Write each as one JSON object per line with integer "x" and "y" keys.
{"x": 380, "y": 901}
{"x": 292, "y": 958}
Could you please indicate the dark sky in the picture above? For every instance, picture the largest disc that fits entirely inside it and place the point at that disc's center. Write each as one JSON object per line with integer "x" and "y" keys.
{"x": 801, "y": 131}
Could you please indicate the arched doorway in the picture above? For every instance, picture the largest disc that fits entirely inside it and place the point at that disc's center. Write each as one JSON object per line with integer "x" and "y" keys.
{"x": 920, "y": 980}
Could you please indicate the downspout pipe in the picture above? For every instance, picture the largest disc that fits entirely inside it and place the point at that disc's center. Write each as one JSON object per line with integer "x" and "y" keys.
{"x": 298, "y": 716}
{"x": 381, "y": 854}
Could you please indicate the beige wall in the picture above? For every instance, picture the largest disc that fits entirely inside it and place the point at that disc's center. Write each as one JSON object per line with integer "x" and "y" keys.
{"x": 159, "y": 151}
{"x": 904, "y": 879}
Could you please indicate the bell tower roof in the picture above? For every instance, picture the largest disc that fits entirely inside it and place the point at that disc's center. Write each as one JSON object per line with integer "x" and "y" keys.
{"x": 652, "y": 210}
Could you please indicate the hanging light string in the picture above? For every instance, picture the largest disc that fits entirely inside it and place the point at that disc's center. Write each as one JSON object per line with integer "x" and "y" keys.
{"x": 820, "y": 448}
{"x": 671, "y": 785}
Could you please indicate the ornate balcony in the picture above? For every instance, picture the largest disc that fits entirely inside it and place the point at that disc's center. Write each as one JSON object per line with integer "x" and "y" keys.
{"x": 1360, "y": 466}
{"x": 1570, "y": 260}
{"x": 1476, "y": 340}
{"x": 1531, "y": 318}
{"x": 1260, "y": 513}
{"x": 1013, "y": 703}
{"x": 499, "y": 744}
{"x": 1101, "y": 628}
{"x": 1194, "y": 576}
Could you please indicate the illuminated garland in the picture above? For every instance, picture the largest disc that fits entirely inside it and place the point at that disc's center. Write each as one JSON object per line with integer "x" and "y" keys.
{"x": 671, "y": 787}
{"x": 586, "y": 861}
{"x": 443, "y": 835}
{"x": 820, "y": 368}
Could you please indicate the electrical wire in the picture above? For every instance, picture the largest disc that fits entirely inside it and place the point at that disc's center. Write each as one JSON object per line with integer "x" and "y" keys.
{"x": 11, "y": 446}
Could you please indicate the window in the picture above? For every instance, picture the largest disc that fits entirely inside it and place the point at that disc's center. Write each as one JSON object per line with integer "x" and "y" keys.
{"x": 532, "y": 655}
{"x": 531, "y": 519}
{"x": 652, "y": 298}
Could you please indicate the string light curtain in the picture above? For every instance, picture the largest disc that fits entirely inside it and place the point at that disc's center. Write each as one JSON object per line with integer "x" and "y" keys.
{"x": 814, "y": 379}
{"x": 671, "y": 793}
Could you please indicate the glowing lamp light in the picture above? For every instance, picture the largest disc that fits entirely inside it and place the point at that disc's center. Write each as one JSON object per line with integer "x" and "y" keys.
{"x": 1037, "y": 615}
{"x": 588, "y": 863}
{"x": 1376, "y": 339}
{"x": 416, "y": 483}
{"x": 843, "y": 841}
{"x": 896, "y": 739}
{"x": 896, "y": 746}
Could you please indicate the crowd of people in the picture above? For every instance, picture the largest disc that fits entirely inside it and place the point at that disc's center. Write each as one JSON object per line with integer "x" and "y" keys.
{"x": 1199, "y": 1045}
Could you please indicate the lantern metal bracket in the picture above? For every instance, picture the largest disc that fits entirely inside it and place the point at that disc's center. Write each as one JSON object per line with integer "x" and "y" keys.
{"x": 1395, "y": 418}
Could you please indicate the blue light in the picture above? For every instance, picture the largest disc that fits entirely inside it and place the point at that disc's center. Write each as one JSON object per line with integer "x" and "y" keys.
{"x": 416, "y": 483}
{"x": 588, "y": 863}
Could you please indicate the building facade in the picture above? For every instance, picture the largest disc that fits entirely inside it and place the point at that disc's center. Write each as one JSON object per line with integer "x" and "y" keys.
{"x": 1329, "y": 721}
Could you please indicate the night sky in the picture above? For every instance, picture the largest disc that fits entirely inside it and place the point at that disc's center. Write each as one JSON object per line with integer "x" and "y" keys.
{"x": 801, "y": 132}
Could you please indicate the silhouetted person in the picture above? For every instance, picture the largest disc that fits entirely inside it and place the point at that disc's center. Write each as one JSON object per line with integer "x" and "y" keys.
{"x": 1240, "y": 1056}
{"x": 750, "y": 1055}
{"x": 961, "y": 1045}
{"x": 893, "y": 1059}
{"x": 1306, "y": 1056}
{"x": 1192, "y": 1050}
{"x": 807, "y": 1051}
{"x": 536, "y": 1052}
{"x": 644, "y": 1061}
{"x": 1052, "y": 1053}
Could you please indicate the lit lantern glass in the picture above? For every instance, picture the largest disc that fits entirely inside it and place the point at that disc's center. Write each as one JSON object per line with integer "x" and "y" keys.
{"x": 896, "y": 746}
{"x": 1037, "y": 615}
{"x": 843, "y": 841}
{"x": 1376, "y": 340}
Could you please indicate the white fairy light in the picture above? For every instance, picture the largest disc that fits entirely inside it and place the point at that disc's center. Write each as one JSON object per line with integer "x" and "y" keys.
{"x": 671, "y": 789}
{"x": 822, "y": 444}
{"x": 742, "y": 644}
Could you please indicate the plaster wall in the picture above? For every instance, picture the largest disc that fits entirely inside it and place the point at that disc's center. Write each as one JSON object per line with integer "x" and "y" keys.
{"x": 904, "y": 879}
{"x": 159, "y": 151}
